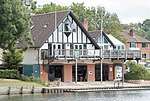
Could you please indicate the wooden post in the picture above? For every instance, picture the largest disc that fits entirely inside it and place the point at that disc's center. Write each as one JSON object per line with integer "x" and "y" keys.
{"x": 101, "y": 70}
{"x": 32, "y": 90}
{"x": 137, "y": 60}
{"x": 9, "y": 90}
{"x": 21, "y": 90}
{"x": 76, "y": 70}
{"x": 122, "y": 73}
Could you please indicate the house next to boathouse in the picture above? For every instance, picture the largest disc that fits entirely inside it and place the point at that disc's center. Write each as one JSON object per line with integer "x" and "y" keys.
{"x": 136, "y": 42}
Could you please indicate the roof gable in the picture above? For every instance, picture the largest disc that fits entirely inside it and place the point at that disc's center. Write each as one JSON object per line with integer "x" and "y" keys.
{"x": 85, "y": 31}
{"x": 43, "y": 25}
{"x": 97, "y": 33}
{"x": 114, "y": 40}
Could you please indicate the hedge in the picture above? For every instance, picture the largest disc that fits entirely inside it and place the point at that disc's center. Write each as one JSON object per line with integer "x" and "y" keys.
{"x": 9, "y": 74}
{"x": 14, "y": 74}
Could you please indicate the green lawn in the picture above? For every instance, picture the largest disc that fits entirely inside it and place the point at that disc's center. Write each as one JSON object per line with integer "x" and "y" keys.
{"x": 17, "y": 83}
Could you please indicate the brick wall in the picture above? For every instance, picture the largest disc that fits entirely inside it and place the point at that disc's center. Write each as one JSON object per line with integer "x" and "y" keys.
{"x": 67, "y": 73}
{"x": 143, "y": 50}
{"x": 110, "y": 72}
{"x": 90, "y": 72}
{"x": 44, "y": 72}
{"x": 114, "y": 72}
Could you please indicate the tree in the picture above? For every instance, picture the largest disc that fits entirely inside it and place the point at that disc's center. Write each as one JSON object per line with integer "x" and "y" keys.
{"x": 137, "y": 72}
{"x": 79, "y": 11}
{"x": 111, "y": 23}
{"x": 12, "y": 59}
{"x": 31, "y": 4}
{"x": 49, "y": 8}
{"x": 14, "y": 23}
{"x": 146, "y": 25}
{"x": 141, "y": 29}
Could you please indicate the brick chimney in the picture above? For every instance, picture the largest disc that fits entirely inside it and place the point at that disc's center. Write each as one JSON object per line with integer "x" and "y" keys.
{"x": 85, "y": 24}
{"x": 132, "y": 32}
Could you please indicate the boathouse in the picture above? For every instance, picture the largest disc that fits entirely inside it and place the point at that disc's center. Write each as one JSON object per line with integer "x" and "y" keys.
{"x": 64, "y": 50}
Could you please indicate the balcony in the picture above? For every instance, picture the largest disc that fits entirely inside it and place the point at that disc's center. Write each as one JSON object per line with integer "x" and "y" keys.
{"x": 68, "y": 54}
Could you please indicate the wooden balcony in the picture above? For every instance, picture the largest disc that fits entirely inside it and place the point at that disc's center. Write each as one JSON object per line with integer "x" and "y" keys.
{"x": 68, "y": 54}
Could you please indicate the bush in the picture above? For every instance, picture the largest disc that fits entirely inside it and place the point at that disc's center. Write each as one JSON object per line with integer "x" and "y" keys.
{"x": 9, "y": 74}
{"x": 30, "y": 79}
{"x": 12, "y": 59}
{"x": 137, "y": 72}
{"x": 14, "y": 74}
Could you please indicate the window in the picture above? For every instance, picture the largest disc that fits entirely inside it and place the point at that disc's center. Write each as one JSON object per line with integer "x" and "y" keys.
{"x": 50, "y": 49}
{"x": 133, "y": 45}
{"x": 80, "y": 46}
{"x": 122, "y": 47}
{"x": 71, "y": 46}
{"x": 144, "y": 45}
{"x": 105, "y": 40}
{"x": 63, "y": 46}
{"x": 76, "y": 46}
{"x": 118, "y": 47}
{"x": 54, "y": 47}
{"x": 59, "y": 47}
{"x": 145, "y": 55}
{"x": 44, "y": 54}
{"x": 84, "y": 46}
{"x": 99, "y": 40}
{"x": 106, "y": 47}
{"x": 73, "y": 26}
{"x": 66, "y": 27}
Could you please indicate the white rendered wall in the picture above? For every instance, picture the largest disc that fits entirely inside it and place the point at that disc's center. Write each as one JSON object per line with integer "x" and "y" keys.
{"x": 30, "y": 56}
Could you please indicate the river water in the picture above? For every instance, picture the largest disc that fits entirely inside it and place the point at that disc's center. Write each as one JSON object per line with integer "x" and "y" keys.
{"x": 84, "y": 96}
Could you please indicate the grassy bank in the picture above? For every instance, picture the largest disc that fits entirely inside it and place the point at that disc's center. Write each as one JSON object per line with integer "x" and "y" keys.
{"x": 17, "y": 83}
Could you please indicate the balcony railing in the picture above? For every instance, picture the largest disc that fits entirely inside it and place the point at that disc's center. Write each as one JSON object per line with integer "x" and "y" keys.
{"x": 96, "y": 54}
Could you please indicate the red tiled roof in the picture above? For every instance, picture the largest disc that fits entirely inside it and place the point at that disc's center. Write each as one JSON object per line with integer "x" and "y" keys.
{"x": 135, "y": 38}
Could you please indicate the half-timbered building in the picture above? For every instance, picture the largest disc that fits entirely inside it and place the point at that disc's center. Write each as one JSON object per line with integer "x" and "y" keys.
{"x": 60, "y": 39}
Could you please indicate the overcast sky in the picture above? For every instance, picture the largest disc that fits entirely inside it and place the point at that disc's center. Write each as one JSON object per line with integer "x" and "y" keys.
{"x": 127, "y": 10}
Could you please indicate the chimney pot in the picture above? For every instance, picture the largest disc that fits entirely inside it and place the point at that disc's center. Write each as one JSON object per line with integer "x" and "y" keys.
{"x": 132, "y": 32}
{"x": 85, "y": 24}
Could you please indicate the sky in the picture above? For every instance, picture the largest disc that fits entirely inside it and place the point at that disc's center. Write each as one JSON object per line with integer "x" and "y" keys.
{"x": 127, "y": 10}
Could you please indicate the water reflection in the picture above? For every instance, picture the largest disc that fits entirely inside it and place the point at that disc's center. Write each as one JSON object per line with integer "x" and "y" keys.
{"x": 83, "y": 96}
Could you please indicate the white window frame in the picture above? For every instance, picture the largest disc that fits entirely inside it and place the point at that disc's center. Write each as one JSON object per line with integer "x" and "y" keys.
{"x": 131, "y": 44}
{"x": 147, "y": 56}
{"x": 144, "y": 43}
